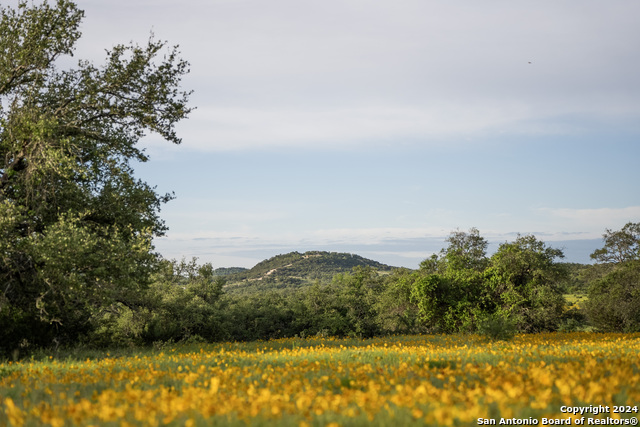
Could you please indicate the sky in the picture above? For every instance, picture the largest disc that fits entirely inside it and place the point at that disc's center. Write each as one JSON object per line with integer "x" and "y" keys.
{"x": 379, "y": 127}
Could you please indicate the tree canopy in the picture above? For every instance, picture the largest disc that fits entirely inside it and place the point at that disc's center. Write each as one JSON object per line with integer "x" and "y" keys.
{"x": 620, "y": 245}
{"x": 614, "y": 296}
{"x": 75, "y": 224}
{"x": 462, "y": 288}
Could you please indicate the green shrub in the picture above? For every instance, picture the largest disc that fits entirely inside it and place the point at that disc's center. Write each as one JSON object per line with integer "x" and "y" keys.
{"x": 497, "y": 327}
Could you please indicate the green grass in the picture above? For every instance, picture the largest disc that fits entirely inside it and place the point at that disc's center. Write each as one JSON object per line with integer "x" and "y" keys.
{"x": 445, "y": 362}
{"x": 575, "y": 299}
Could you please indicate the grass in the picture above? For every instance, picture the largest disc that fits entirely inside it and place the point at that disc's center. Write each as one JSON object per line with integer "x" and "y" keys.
{"x": 400, "y": 380}
{"x": 575, "y": 300}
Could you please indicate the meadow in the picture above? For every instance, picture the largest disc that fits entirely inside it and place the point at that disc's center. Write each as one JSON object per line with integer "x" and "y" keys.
{"x": 400, "y": 380}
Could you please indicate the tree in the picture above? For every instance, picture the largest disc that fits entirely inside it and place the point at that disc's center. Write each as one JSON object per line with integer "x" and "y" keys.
{"x": 523, "y": 280}
{"x": 462, "y": 290}
{"x": 466, "y": 250}
{"x": 614, "y": 300}
{"x": 448, "y": 288}
{"x": 322, "y": 311}
{"x": 75, "y": 225}
{"x": 183, "y": 301}
{"x": 451, "y": 301}
{"x": 620, "y": 246}
{"x": 396, "y": 312}
{"x": 357, "y": 293}
{"x": 614, "y": 293}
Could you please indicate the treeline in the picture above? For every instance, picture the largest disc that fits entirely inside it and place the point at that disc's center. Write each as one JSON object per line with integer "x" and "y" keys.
{"x": 517, "y": 289}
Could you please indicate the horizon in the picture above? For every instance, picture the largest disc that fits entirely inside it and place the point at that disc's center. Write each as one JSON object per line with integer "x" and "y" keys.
{"x": 580, "y": 250}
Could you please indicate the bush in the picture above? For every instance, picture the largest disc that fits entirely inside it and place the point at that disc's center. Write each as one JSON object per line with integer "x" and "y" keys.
{"x": 573, "y": 320}
{"x": 614, "y": 300}
{"x": 497, "y": 327}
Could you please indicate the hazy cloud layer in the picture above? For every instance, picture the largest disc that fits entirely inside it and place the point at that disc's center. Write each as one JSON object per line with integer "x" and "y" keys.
{"x": 328, "y": 73}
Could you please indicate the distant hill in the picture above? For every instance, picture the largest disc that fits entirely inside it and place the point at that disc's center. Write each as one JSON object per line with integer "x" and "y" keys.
{"x": 294, "y": 270}
{"x": 226, "y": 271}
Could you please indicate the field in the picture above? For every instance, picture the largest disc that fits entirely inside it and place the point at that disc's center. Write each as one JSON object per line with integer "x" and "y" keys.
{"x": 403, "y": 380}
{"x": 575, "y": 300}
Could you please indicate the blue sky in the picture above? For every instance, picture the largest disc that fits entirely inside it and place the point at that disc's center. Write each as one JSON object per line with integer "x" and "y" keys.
{"x": 378, "y": 127}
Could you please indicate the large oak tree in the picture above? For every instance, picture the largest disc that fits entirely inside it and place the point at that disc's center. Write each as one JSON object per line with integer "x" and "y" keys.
{"x": 76, "y": 226}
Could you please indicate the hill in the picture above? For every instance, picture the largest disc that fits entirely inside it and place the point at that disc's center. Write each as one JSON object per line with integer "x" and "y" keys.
{"x": 294, "y": 270}
{"x": 227, "y": 271}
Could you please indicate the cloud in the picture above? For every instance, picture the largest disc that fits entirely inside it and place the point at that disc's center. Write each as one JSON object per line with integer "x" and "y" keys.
{"x": 401, "y": 247}
{"x": 228, "y": 129}
{"x": 229, "y": 216}
{"x": 243, "y": 128}
{"x": 594, "y": 220}
{"x": 397, "y": 247}
{"x": 397, "y": 238}
{"x": 373, "y": 236}
{"x": 410, "y": 255}
{"x": 251, "y": 240}
{"x": 327, "y": 74}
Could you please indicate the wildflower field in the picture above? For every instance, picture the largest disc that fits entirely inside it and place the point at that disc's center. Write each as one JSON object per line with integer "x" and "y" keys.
{"x": 402, "y": 380}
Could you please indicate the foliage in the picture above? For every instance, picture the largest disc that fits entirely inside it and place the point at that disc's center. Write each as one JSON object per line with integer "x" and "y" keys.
{"x": 357, "y": 296}
{"x": 466, "y": 251}
{"x": 456, "y": 290}
{"x": 75, "y": 225}
{"x": 460, "y": 288}
{"x": 614, "y": 292}
{"x": 183, "y": 301}
{"x": 523, "y": 280}
{"x": 576, "y": 280}
{"x": 226, "y": 271}
{"x": 497, "y": 327}
{"x": 614, "y": 300}
{"x": 448, "y": 302}
{"x": 448, "y": 289}
{"x": 396, "y": 311}
{"x": 263, "y": 316}
{"x": 574, "y": 319}
{"x": 322, "y": 311}
{"x": 344, "y": 307}
{"x": 620, "y": 246}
